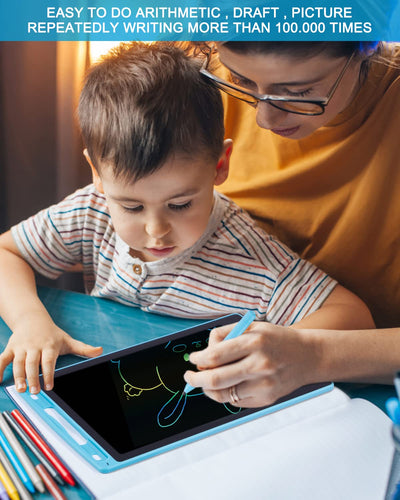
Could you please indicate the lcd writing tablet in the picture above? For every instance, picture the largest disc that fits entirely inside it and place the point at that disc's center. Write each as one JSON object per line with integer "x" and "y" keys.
{"x": 130, "y": 404}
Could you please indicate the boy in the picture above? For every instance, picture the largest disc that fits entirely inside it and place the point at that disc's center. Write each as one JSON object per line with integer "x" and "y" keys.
{"x": 150, "y": 231}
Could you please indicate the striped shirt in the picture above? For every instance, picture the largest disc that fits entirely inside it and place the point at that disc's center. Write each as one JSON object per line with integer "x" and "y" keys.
{"x": 233, "y": 267}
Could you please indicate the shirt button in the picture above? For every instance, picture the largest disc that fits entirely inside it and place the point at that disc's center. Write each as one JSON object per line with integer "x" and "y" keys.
{"x": 137, "y": 269}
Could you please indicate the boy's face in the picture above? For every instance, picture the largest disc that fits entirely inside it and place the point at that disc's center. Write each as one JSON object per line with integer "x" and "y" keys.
{"x": 166, "y": 212}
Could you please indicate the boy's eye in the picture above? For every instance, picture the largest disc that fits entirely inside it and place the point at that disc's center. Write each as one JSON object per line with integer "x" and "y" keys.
{"x": 138, "y": 208}
{"x": 183, "y": 206}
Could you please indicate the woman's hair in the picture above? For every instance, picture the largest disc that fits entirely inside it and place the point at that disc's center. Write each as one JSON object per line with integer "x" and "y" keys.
{"x": 367, "y": 52}
{"x": 143, "y": 103}
{"x": 304, "y": 49}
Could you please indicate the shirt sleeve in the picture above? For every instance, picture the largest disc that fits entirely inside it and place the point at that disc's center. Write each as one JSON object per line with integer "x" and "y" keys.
{"x": 51, "y": 240}
{"x": 300, "y": 289}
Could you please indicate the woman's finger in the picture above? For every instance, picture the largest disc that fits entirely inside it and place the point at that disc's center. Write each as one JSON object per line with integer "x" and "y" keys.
{"x": 219, "y": 378}
{"x": 235, "y": 394}
{"x": 217, "y": 335}
{"x": 247, "y": 394}
{"x": 229, "y": 351}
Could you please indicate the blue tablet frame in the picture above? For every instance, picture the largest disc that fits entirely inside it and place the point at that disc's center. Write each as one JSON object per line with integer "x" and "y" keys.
{"x": 103, "y": 460}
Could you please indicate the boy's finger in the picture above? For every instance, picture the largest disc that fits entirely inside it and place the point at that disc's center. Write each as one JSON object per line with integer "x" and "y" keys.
{"x": 6, "y": 358}
{"x": 82, "y": 349}
{"x": 19, "y": 373}
{"x": 49, "y": 359}
{"x": 32, "y": 371}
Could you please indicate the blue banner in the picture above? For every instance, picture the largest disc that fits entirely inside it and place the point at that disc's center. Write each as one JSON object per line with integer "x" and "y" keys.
{"x": 219, "y": 20}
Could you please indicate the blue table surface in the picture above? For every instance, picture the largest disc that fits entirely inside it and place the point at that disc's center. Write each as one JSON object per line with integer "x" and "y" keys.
{"x": 115, "y": 326}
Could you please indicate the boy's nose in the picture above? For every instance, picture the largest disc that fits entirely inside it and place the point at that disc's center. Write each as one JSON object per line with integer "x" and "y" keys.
{"x": 269, "y": 117}
{"x": 157, "y": 228}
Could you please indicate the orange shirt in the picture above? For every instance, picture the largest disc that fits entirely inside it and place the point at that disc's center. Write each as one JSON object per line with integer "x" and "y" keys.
{"x": 334, "y": 196}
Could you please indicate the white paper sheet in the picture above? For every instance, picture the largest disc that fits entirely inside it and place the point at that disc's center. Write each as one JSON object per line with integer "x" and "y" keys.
{"x": 325, "y": 448}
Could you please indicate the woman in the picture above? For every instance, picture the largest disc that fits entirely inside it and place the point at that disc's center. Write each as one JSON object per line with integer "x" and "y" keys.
{"x": 321, "y": 172}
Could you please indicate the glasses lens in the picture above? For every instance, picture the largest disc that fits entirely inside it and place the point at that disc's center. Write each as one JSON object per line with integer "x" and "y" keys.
{"x": 301, "y": 108}
{"x": 237, "y": 93}
{"x": 288, "y": 105}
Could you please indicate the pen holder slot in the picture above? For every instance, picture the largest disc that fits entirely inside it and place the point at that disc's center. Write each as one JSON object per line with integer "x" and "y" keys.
{"x": 65, "y": 427}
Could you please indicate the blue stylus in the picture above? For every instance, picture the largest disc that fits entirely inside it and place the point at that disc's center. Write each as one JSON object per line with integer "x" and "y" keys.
{"x": 237, "y": 330}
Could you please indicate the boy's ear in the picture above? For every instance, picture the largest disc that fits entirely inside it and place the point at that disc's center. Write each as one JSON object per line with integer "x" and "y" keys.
{"x": 95, "y": 175}
{"x": 222, "y": 168}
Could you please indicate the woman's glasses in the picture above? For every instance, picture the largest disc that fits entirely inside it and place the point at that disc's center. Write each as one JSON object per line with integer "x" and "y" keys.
{"x": 300, "y": 106}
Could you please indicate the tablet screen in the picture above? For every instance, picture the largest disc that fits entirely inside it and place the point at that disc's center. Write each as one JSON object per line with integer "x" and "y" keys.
{"x": 133, "y": 401}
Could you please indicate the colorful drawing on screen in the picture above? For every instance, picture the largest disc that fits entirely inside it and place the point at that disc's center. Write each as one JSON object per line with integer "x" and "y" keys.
{"x": 172, "y": 410}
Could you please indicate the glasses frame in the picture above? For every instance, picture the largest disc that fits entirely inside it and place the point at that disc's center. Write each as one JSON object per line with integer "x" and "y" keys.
{"x": 274, "y": 100}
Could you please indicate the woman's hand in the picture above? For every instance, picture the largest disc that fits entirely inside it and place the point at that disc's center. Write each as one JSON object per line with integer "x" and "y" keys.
{"x": 36, "y": 341}
{"x": 265, "y": 363}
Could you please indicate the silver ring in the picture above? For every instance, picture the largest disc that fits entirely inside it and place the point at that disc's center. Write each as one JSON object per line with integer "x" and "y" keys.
{"x": 233, "y": 395}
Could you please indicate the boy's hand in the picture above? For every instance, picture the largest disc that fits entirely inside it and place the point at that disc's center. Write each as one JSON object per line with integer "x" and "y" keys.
{"x": 35, "y": 341}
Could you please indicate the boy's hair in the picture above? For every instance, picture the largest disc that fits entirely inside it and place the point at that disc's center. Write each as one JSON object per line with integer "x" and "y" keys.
{"x": 143, "y": 103}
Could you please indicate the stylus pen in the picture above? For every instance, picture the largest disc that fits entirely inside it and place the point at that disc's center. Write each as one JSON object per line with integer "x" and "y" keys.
{"x": 237, "y": 330}
{"x": 44, "y": 448}
{"x": 23, "y": 493}
{"x": 16, "y": 463}
{"x": 38, "y": 454}
{"x": 21, "y": 454}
